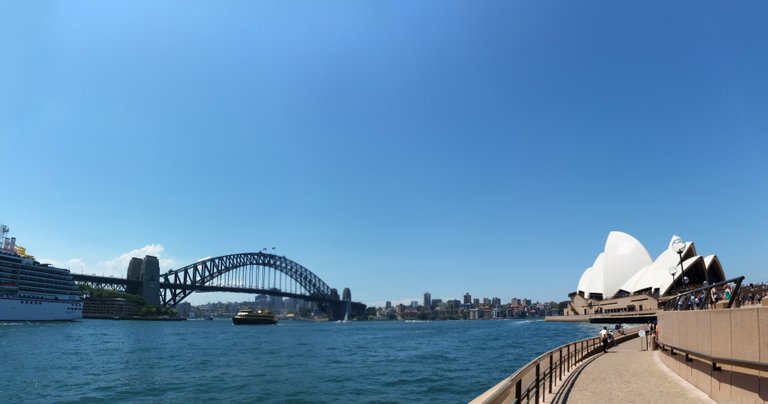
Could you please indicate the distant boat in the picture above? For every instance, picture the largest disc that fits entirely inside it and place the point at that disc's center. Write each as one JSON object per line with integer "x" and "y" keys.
{"x": 248, "y": 316}
{"x": 209, "y": 317}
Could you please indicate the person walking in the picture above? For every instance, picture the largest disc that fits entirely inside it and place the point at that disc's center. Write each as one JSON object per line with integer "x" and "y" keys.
{"x": 604, "y": 338}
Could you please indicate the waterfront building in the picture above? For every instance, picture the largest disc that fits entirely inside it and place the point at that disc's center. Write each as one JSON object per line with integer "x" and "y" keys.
{"x": 116, "y": 307}
{"x": 388, "y": 305}
{"x": 291, "y": 305}
{"x": 427, "y": 299}
{"x": 624, "y": 278}
{"x": 183, "y": 309}
{"x": 277, "y": 304}
{"x": 467, "y": 298}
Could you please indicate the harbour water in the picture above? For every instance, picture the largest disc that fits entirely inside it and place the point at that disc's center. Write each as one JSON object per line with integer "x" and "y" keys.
{"x": 294, "y": 361}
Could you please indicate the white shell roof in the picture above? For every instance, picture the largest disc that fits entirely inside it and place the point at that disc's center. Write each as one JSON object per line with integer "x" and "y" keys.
{"x": 626, "y": 265}
{"x": 589, "y": 280}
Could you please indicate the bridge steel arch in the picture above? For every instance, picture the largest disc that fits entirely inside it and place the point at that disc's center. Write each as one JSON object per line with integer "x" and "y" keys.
{"x": 177, "y": 284}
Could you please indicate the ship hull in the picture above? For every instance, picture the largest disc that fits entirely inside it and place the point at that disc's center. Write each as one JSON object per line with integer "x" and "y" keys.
{"x": 254, "y": 321}
{"x": 15, "y": 309}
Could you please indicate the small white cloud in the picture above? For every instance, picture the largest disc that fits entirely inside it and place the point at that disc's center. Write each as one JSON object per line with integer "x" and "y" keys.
{"x": 118, "y": 266}
{"x": 76, "y": 265}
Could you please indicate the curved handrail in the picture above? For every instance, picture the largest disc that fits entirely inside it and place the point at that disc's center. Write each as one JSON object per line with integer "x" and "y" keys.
{"x": 761, "y": 366}
{"x": 575, "y": 354}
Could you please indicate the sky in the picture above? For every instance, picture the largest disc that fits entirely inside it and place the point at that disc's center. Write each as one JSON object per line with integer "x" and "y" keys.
{"x": 392, "y": 147}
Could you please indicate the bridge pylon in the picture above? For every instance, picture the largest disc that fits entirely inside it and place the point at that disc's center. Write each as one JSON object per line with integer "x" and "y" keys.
{"x": 147, "y": 271}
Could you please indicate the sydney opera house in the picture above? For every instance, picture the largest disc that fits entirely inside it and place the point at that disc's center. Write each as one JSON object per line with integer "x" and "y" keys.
{"x": 625, "y": 279}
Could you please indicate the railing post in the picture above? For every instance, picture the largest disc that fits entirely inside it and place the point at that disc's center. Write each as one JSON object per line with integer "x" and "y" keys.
{"x": 518, "y": 391}
{"x": 560, "y": 365}
{"x": 537, "y": 383}
{"x": 550, "y": 374}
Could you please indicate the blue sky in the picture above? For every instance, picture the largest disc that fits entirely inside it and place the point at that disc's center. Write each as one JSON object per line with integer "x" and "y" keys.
{"x": 392, "y": 147}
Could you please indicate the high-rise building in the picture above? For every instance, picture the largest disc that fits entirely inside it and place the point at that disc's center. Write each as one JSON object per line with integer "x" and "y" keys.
{"x": 388, "y": 305}
{"x": 526, "y": 302}
{"x": 290, "y": 305}
{"x": 476, "y": 302}
{"x": 427, "y": 299}
{"x": 467, "y": 298}
{"x": 183, "y": 309}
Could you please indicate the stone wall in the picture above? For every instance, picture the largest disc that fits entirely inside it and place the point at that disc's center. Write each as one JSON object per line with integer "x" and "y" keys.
{"x": 740, "y": 333}
{"x": 629, "y": 304}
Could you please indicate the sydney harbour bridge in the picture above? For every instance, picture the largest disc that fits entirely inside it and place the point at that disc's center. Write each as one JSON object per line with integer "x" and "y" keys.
{"x": 252, "y": 273}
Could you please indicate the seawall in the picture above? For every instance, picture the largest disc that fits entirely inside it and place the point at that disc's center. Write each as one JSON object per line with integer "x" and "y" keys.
{"x": 739, "y": 334}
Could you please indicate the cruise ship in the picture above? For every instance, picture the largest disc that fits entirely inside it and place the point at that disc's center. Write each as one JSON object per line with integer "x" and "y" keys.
{"x": 31, "y": 291}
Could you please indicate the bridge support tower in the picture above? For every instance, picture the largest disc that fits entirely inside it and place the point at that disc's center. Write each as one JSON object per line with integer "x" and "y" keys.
{"x": 147, "y": 271}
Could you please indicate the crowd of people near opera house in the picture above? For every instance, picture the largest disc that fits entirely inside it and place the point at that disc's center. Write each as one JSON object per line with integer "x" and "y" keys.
{"x": 749, "y": 294}
{"x": 753, "y": 293}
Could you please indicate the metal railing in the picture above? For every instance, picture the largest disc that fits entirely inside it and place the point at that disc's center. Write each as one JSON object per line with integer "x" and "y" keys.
{"x": 715, "y": 360}
{"x": 536, "y": 379}
{"x": 682, "y": 301}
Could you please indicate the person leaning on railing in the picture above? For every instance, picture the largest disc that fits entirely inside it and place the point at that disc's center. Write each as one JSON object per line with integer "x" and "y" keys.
{"x": 727, "y": 292}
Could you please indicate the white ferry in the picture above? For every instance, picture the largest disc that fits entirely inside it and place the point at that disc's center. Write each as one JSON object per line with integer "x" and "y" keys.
{"x": 31, "y": 291}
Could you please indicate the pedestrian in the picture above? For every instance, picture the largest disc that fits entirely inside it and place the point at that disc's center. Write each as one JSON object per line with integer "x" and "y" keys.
{"x": 604, "y": 338}
{"x": 727, "y": 292}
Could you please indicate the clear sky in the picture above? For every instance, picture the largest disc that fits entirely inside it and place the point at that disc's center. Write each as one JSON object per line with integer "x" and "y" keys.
{"x": 392, "y": 147}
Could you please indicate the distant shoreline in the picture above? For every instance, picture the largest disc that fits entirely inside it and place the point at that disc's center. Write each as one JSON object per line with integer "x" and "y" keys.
{"x": 142, "y": 318}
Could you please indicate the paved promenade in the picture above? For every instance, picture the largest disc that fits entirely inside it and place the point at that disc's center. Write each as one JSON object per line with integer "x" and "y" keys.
{"x": 626, "y": 375}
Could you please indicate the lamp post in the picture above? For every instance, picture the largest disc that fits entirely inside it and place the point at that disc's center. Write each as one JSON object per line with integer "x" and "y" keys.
{"x": 672, "y": 271}
{"x": 678, "y": 245}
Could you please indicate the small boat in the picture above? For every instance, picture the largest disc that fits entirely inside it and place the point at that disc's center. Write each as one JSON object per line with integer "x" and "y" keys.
{"x": 248, "y": 316}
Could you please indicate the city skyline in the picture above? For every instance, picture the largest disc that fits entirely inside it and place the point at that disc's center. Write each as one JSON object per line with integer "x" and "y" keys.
{"x": 387, "y": 147}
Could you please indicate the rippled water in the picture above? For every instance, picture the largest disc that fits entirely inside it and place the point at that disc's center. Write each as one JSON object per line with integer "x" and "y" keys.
{"x": 204, "y": 361}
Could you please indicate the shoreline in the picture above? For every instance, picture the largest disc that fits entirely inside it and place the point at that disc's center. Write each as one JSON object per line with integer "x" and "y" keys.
{"x": 140, "y": 318}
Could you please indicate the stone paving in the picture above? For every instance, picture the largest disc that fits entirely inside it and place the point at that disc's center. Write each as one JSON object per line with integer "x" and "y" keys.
{"x": 626, "y": 374}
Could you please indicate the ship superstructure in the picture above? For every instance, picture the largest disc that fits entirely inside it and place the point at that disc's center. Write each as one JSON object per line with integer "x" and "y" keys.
{"x": 31, "y": 291}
